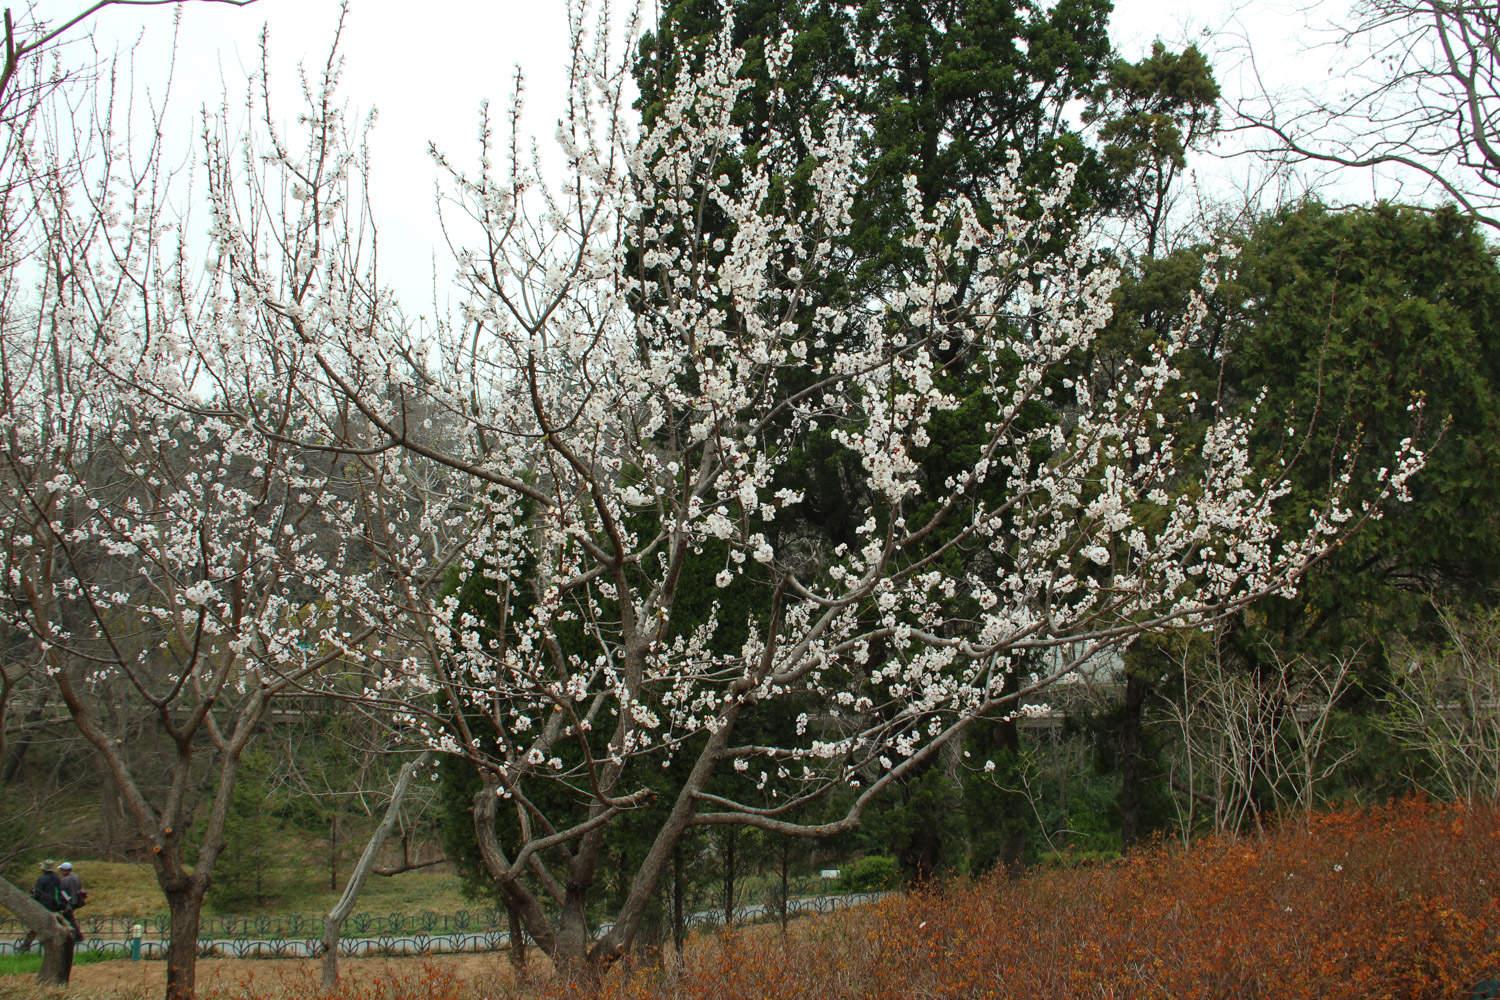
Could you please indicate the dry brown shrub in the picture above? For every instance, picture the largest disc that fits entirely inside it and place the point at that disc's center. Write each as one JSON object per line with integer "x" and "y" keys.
{"x": 1394, "y": 902}
{"x": 1398, "y": 902}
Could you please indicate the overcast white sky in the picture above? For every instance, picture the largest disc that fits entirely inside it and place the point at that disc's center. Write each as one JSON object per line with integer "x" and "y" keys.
{"x": 426, "y": 68}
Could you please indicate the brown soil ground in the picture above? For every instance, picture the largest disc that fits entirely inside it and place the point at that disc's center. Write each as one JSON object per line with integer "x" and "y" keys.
{"x": 487, "y": 975}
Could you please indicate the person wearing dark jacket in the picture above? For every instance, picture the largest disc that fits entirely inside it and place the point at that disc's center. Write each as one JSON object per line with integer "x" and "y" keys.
{"x": 49, "y": 892}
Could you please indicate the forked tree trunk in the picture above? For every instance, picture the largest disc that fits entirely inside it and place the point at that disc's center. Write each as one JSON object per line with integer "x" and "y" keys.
{"x": 573, "y": 938}
{"x": 56, "y": 936}
{"x": 333, "y": 922}
{"x": 568, "y": 941}
{"x": 185, "y": 906}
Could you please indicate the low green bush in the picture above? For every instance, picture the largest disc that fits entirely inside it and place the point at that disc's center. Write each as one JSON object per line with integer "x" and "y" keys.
{"x": 871, "y": 873}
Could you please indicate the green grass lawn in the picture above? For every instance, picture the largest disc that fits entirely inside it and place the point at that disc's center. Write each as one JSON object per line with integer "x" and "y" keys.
{"x": 433, "y": 890}
{"x": 31, "y": 962}
{"x": 128, "y": 889}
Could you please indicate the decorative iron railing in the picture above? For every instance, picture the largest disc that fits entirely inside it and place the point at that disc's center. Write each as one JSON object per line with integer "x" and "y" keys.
{"x": 367, "y": 934}
{"x": 293, "y": 925}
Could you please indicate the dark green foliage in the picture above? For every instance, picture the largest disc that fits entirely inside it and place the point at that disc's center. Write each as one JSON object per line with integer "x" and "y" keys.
{"x": 1001, "y": 825}
{"x": 940, "y": 90}
{"x": 1001, "y": 820}
{"x": 953, "y": 88}
{"x": 457, "y": 784}
{"x": 1379, "y": 769}
{"x": 871, "y": 873}
{"x": 249, "y": 872}
{"x": 1347, "y": 319}
{"x": 916, "y": 823}
{"x": 1156, "y": 108}
{"x": 629, "y": 837}
{"x": 1131, "y": 744}
{"x": 1149, "y": 115}
{"x": 1344, "y": 320}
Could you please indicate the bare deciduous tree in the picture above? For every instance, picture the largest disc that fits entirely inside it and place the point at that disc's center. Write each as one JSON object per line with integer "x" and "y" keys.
{"x": 333, "y": 922}
{"x": 1420, "y": 103}
{"x": 23, "y": 76}
{"x": 156, "y": 556}
{"x": 1247, "y": 740}
{"x": 1444, "y": 706}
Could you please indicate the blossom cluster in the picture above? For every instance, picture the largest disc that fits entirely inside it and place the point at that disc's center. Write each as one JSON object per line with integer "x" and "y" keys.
{"x": 536, "y": 525}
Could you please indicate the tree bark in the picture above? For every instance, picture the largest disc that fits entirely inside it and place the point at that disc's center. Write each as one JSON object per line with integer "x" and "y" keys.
{"x": 659, "y": 857}
{"x": 118, "y": 837}
{"x": 679, "y": 929}
{"x": 533, "y": 917}
{"x": 333, "y": 922}
{"x": 1132, "y": 758}
{"x": 57, "y": 959}
{"x": 185, "y": 906}
{"x": 54, "y": 933}
{"x": 333, "y": 852}
{"x": 15, "y": 754}
{"x": 786, "y": 864}
{"x": 573, "y": 936}
{"x": 729, "y": 874}
{"x": 517, "y": 939}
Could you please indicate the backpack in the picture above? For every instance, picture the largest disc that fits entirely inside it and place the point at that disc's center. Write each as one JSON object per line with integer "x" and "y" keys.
{"x": 49, "y": 893}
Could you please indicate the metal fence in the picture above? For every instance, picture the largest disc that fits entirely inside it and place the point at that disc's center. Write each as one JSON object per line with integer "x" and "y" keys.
{"x": 294, "y": 925}
{"x": 300, "y": 935}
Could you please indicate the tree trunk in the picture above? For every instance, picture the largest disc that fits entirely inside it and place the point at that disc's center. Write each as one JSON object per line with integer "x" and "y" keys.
{"x": 333, "y": 922}
{"x": 56, "y": 936}
{"x": 1132, "y": 759}
{"x": 786, "y": 898}
{"x": 333, "y": 852}
{"x": 57, "y": 959}
{"x": 571, "y": 955}
{"x": 185, "y": 906}
{"x": 118, "y": 836}
{"x": 517, "y": 939}
{"x": 659, "y": 856}
{"x": 729, "y": 874}
{"x": 1013, "y": 843}
{"x": 532, "y": 916}
{"x": 679, "y": 928}
{"x": 16, "y": 752}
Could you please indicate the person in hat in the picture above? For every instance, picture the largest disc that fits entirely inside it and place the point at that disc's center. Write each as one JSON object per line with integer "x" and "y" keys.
{"x": 73, "y": 894}
{"x": 47, "y": 891}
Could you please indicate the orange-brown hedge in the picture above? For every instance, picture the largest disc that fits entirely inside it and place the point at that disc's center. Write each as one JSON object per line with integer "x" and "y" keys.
{"x": 1398, "y": 901}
